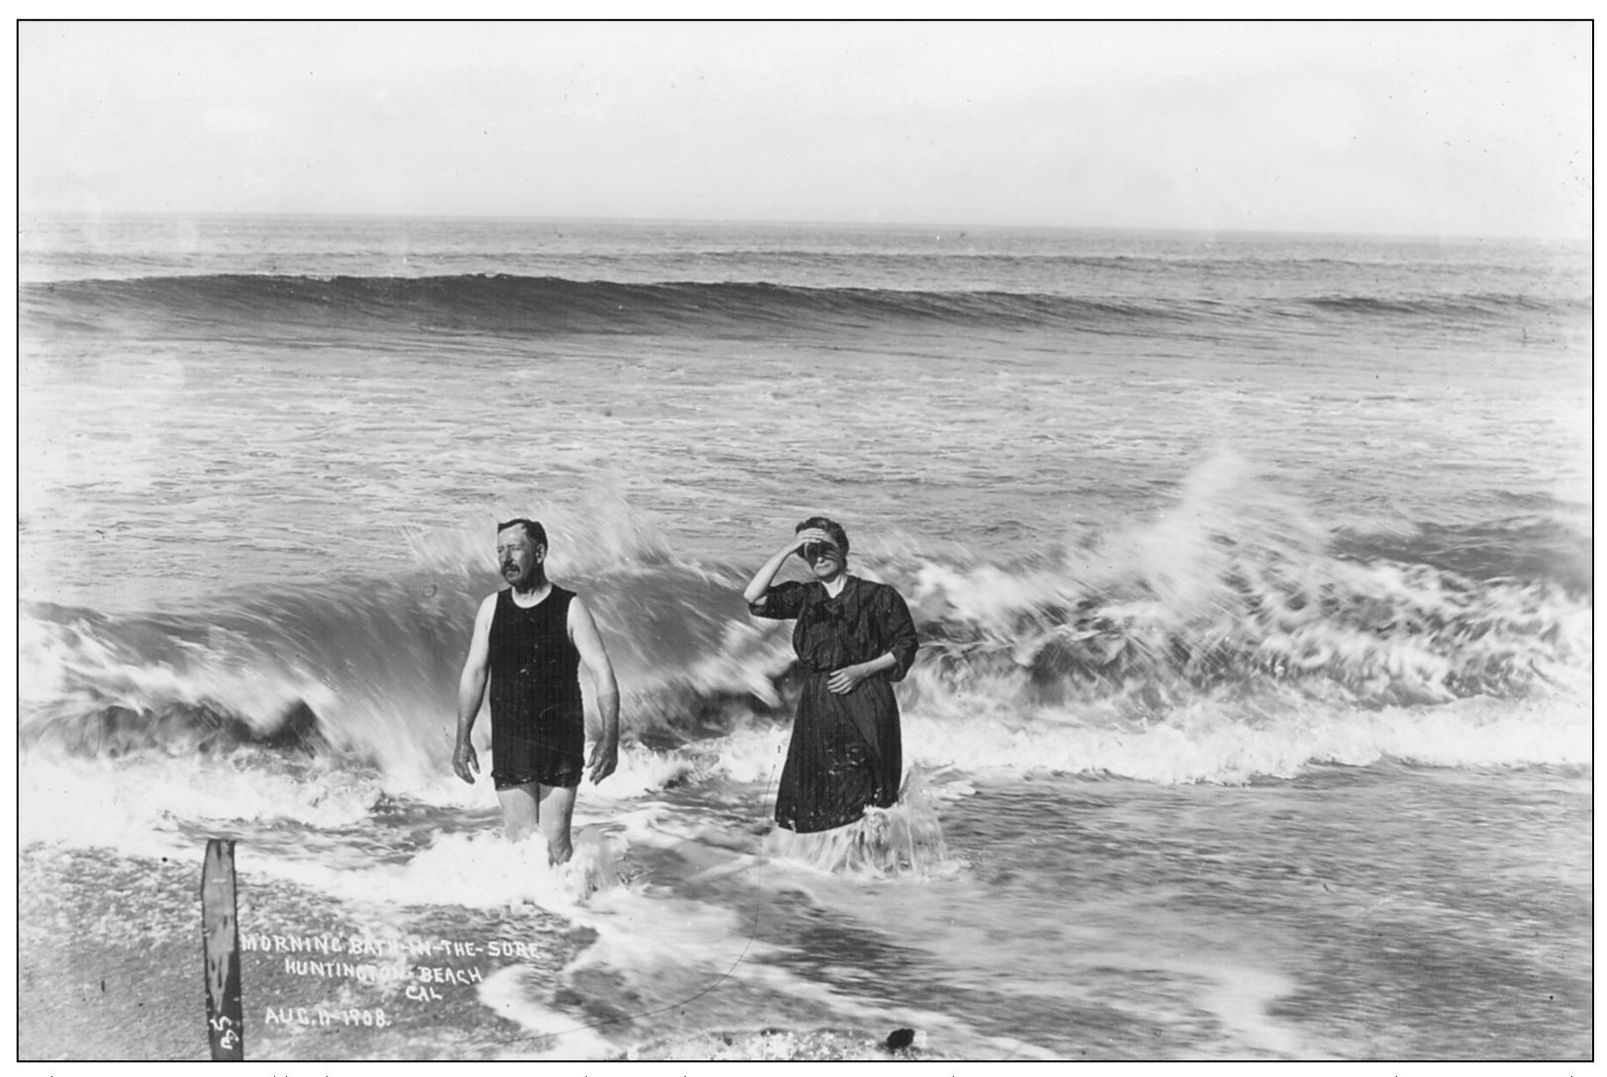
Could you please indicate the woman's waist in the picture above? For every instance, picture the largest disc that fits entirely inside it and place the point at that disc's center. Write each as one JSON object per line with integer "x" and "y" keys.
{"x": 823, "y": 665}
{"x": 817, "y": 668}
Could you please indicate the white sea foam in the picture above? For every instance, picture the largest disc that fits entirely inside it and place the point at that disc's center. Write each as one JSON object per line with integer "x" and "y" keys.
{"x": 1229, "y": 739}
{"x": 139, "y": 805}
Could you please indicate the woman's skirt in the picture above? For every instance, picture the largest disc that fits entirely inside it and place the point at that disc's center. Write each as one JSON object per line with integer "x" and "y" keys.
{"x": 845, "y": 755}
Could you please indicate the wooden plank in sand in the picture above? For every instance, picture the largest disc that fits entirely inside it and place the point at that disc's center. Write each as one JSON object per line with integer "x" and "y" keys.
{"x": 220, "y": 931}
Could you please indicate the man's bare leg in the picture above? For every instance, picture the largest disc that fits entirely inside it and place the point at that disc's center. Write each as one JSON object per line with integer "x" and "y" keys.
{"x": 556, "y": 810}
{"x": 521, "y": 810}
{"x": 548, "y": 808}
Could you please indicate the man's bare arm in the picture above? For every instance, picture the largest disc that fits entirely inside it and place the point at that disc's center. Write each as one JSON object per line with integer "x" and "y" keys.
{"x": 594, "y": 656}
{"x": 471, "y": 691}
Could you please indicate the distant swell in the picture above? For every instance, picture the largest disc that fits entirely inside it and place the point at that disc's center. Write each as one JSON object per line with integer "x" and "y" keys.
{"x": 524, "y": 306}
{"x": 1484, "y": 305}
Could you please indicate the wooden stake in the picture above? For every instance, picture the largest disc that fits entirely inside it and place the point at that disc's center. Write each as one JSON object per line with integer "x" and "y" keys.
{"x": 220, "y": 932}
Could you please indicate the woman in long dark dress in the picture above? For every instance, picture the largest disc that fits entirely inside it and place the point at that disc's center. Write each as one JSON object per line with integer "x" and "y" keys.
{"x": 854, "y": 638}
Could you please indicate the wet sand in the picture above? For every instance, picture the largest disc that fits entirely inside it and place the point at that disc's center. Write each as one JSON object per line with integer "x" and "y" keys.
{"x": 110, "y": 967}
{"x": 101, "y": 973}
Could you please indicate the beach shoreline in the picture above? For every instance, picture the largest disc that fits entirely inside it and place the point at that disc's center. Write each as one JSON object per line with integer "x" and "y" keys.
{"x": 110, "y": 967}
{"x": 94, "y": 986}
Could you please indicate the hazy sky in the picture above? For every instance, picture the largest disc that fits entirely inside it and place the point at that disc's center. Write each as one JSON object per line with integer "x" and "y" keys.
{"x": 1464, "y": 128}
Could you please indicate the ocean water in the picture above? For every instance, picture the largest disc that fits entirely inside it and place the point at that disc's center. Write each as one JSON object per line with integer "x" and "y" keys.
{"x": 1252, "y": 717}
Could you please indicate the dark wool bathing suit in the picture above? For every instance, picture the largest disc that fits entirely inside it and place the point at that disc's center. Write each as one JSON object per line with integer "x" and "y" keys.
{"x": 538, "y": 722}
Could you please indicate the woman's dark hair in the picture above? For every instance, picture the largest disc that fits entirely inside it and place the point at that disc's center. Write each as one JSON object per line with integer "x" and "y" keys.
{"x": 830, "y": 527}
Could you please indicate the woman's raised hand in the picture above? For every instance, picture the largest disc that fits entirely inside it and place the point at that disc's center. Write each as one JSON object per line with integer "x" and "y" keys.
{"x": 811, "y": 534}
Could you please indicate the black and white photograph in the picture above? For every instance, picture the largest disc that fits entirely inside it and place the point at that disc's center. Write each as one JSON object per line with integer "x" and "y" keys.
{"x": 828, "y": 540}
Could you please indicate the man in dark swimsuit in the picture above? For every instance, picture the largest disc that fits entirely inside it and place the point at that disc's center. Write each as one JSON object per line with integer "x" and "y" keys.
{"x": 531, "y": 640}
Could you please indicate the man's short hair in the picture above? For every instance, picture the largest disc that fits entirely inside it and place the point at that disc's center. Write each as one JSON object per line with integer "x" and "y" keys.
{"x": 533, "y": 529}
{"x": 830, "y": 527}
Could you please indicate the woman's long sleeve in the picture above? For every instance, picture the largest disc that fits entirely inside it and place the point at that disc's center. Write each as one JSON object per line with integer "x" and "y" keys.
{"x": 898, "y": 630}
{"x": 780, "y": 602}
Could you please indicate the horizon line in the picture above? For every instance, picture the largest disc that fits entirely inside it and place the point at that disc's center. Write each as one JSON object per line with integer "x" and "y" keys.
{"x": 961, "y": 227}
